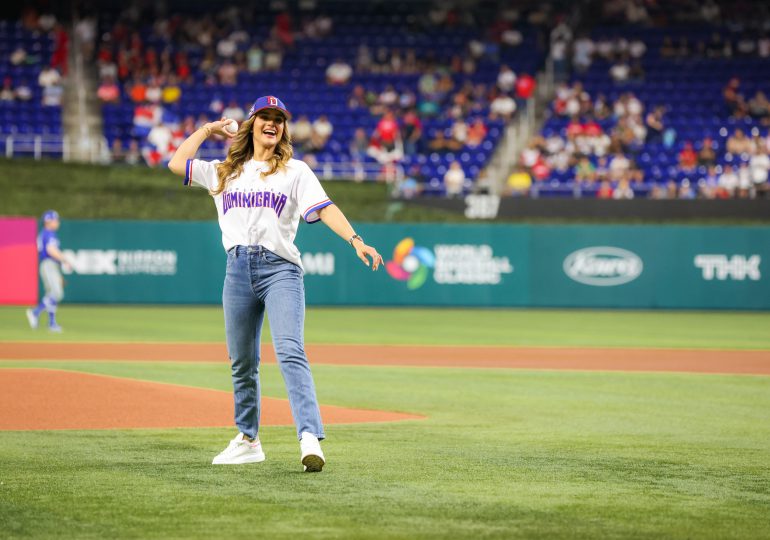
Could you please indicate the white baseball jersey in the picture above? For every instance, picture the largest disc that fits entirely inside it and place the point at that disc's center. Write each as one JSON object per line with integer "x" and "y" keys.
{"x": 263, "y": 211}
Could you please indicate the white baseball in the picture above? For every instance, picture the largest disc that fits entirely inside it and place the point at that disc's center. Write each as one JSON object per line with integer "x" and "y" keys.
{"x": 231, "y": 127}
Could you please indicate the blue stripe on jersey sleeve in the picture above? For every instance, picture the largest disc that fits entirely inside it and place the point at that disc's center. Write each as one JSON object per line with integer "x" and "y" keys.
{"x": 316, "y": 208}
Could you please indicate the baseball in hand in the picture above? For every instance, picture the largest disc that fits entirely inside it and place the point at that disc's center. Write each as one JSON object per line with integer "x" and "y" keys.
{"x": 231, "y": 127}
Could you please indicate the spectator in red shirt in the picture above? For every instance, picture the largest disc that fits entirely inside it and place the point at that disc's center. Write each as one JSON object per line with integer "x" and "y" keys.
{"x": 541, "y": 170}
{"x": 283, "y": 29}
{"x": 61, "y": 49}
{"x": 138, "y": 91}
{"x": 574, "y": 128}
{"x": 734, "y": 99}
{"x": 688, "y": 158}
{"x": 182, "y": 67}
{"x": 525, "y": 86}
{"x": 387, "y": 129}
{"x": 592, "y": 129}
{"x": 124, "y": 66}
{"x": 605, "y": 190}
{"x": 108, "y": 91}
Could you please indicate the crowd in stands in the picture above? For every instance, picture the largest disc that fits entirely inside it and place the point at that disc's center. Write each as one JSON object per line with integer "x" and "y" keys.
{"x": 151, "y": 70}
{"x": 637, "y": 112}
{"x": 36, "y": 60}
{"x": 421, "y": 105}
{"x": 651, "y": 100}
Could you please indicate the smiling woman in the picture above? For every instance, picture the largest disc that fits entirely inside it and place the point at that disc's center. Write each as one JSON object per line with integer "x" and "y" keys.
{"x": 260, "y": 192}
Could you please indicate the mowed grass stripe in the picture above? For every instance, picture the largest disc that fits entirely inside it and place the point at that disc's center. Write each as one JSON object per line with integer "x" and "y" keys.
{"x": 502, "y": 454}
{"x": 526, "y": 328}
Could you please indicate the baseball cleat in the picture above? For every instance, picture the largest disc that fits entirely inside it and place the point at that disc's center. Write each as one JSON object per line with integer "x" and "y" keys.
{"x": 312, "y": 456}
{"x": 55, "y": 328}
{"x": 240, "y": 451}
{"x": 32, "y": 318}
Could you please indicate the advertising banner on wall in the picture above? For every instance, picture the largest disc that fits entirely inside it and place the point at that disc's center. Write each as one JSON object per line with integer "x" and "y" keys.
{"x": 424, "y": 265}
{"x": 18, "y": 261}
{"x": 650, "y": 266}
{"x": 440, "y": 265}
{"x": 143, "y": 262}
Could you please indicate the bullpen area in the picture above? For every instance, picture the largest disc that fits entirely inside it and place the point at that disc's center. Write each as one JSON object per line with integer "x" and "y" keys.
{"x": 525, "y": 423}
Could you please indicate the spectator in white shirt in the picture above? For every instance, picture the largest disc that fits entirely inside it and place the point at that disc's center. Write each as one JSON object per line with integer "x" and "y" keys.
{"x": 637, "y": 48}
{"x": 52, "y": 96}
{"x": 160, "y": 137}
{"x": 759, "y": 165}
{"x": 226, "y": 47}
{"x": 620, "y": 71}
{"x": 454, "y": 180}
{"x": 506, "y": 79}
{"x": 49, "y": 76}
{"x": 728, "y": 182}
{"x": 301, "y": 132}
{"x": 234, "y": 111}
{"x": 583, "y": 54}
{"x": 338, "y": 72}
{"x": 322, "y": 130}
{"x": 619, "y": 166}
{"x": 23, "y": 91}
{"x": 502, "y": 107}
{"x": 623, "y": 190}
{"x": 460, "y": 131}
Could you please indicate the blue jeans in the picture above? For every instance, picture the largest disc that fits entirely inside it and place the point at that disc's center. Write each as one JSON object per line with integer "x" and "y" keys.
{"x": 258, "y": 279}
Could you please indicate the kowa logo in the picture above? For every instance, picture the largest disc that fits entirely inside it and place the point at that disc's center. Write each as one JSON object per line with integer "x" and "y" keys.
{"x": 603, "y": 266}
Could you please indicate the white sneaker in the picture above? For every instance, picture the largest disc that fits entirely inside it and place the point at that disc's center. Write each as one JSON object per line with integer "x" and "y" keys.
{"x": 32, "y": 318}
{"x": 239, "y": 451}
{"x": 312, "y": 456}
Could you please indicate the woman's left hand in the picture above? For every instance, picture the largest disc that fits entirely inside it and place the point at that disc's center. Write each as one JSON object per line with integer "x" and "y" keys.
{"x": 363, "y": 251}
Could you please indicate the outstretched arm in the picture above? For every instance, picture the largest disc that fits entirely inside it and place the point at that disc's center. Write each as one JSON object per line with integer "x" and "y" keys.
{"x": 189, "y": 147}
{"x": 336, "y": 221}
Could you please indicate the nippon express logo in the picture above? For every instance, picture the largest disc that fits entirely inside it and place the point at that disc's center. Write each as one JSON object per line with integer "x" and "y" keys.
{"x": 603, "y": 266}
{"x": 96, "y": 262}
{"x": 411, "y": 263}
{"x": 450, "y": 264}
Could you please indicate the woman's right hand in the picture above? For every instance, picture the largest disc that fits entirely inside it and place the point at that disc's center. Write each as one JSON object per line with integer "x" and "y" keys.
{"x": 218, "y": 128}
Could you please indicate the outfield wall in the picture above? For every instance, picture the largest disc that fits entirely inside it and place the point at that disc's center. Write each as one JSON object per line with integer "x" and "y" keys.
{"x": 618, "y": 266}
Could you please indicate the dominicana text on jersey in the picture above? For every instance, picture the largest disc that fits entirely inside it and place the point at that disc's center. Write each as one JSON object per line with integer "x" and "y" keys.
{"x": 253, "y": 199}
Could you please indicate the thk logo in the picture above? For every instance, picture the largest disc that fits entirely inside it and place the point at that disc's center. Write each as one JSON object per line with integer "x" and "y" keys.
{"x": 737, "y": 267}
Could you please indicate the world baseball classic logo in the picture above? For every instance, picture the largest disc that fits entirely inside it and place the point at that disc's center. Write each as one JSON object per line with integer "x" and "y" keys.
{"x": 411, "y": 263}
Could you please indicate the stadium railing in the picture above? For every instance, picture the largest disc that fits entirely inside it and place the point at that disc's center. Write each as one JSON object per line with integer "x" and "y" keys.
{"x": 57, "y": 146}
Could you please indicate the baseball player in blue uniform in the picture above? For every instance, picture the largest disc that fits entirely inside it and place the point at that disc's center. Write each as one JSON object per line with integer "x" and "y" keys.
{"x": 260, "y": 194}
{"x": 51, "y": 261}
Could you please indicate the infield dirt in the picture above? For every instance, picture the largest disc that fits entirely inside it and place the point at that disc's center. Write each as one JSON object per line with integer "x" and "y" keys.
{"x": 48, "y": 399}
{"x": 756, "y": 362}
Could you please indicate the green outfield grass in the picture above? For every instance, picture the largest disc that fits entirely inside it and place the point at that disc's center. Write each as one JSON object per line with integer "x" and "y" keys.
{"x": 522, "y": 327}
{"x": 501, "y": 454}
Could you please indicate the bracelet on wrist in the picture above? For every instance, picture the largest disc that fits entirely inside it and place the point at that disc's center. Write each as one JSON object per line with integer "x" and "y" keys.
{"x": 354, "y": 237}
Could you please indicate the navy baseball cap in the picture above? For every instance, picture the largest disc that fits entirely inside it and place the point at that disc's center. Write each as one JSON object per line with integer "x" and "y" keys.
{"x": 50, "y": 215}
{"x": 269, "y": 102}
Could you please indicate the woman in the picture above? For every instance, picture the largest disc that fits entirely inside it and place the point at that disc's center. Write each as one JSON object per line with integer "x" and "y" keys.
{"x": 260, "y": 192}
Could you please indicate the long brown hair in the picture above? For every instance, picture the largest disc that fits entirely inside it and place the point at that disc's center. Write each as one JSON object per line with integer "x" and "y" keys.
{"x": 242, "y": 150}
